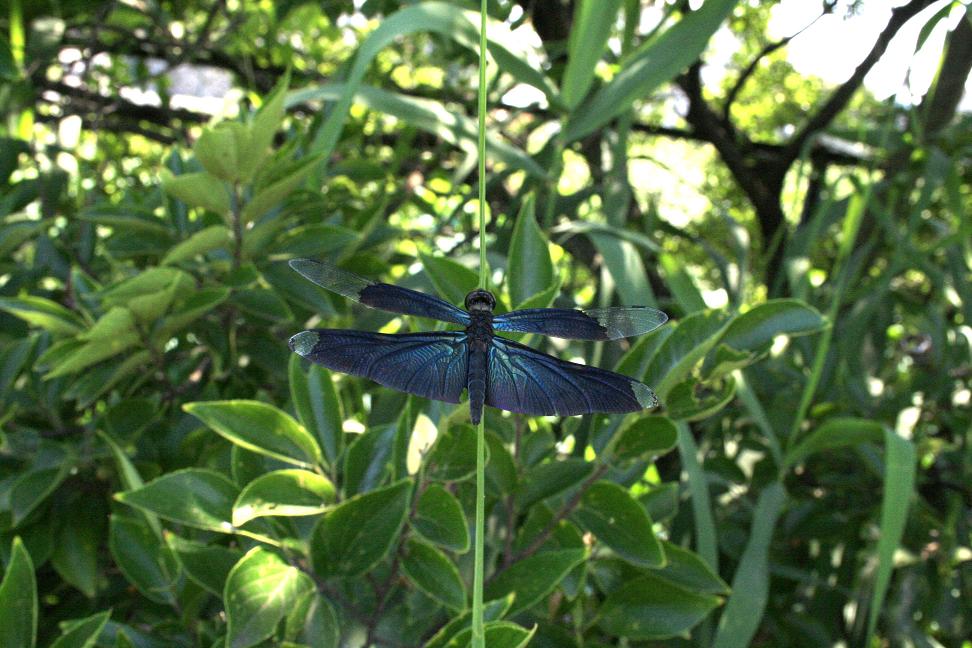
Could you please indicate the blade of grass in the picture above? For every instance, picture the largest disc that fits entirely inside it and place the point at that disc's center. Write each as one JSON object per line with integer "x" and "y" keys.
{"x": 705, "y": 538}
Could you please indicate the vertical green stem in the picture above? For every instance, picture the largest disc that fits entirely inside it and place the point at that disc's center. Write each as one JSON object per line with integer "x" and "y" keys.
{"x": 478, "y": 632}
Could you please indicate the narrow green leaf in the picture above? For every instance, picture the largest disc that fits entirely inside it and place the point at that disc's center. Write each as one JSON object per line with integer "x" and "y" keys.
{"x": 82, "y": 633}
{"x": 592, "y": 23}
{"x": 626, "y": 268}
{"x": 530, "y": 270}
{"x": 33, "y": 488}
{"x": 193, "y": 496}
{"x": 265, "y": 125}
{"x": 80, "y": 536}
{"x": 317, "y": 404}
{"x": 351, "y": 538}
{"x": 218, "y": 150}
{"x": 205, "y": 240}
{"x": 705, "y": 538}
{"x": 270, "y": 196}
{"x": 261, "y": 428}
{"x": 835, "y": 433}
{"x": 658, "y": 61}
{"x": 283, "y": 492}
{"x": 18, "y": 600}
{"x": 690, "y": 341}
{"x": 750, "y": 583}
{"x": 433, "y": 573}
{"x": 259, "y": 592}
{"x": 681, "y": 284}
{"x": 649, "y": 607}
{"x": 439, "y": 519}
{"x": 617, "y": 519}
{"x": 198, "y": 190}
{"x": 899, "y": 482}
{"x": 452, "y": 280}
{"x": 687, "y": 569}
{"x": 206, "y": 565}
{"x": 195, "y": 306}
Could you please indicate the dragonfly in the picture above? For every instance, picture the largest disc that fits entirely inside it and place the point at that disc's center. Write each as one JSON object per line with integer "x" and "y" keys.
{"x": 493, "y": 370}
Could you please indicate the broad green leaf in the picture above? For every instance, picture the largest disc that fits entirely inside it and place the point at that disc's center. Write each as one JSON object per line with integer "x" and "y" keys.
{"x": 43, "y": 313}
{"x": 691, "y": 400}
{"x": 82, "y": 633}
{"x": 206, "y": 565}
{"x": 205, "y": 240}
{"x": 149, "y": 282}
{"x": 647, "y": 437}
{"x": 617, "y": 519}
{"x": 259, "y": 592}
{"x": 656, "y": 62}
{"x": 453, "y": 456}
{"x": 433, "y": 573}
{"x": 835, "y": 433}
{"x": 650, "y": 607}
{"x": 439, "y": 518}
{"x": 261, "y": 428}
{"x": 899, "y": 482}
{"x": 198, "y": 190}
{"x": 265, "y": 125}
{"x": 80, "y": 536}
{"x": 750, "y": 583}
{"x": 317, "y": 405}
{"x": 592, "y": 23}
{"x": 35, "y": 486}
{"x": 452, "y": 280}
{"x": 687, "y": 569}
{"x": 18, "y": 599}
{"x": 498, "y": 634}
{"x": 529, "y": 270}
{"x": 681, "y": 351}
{"x": 195, "y": 306}
{"x": 534, "y": 577}
{"x": 271, "y": 195}
{"x": 367, "y": 461}
{"x": 262, "y": 303}
{"x": 661, "y": 502}
{"x": 283, "y": 492}
{"x": 314, "y": 622}
{"x": 551, "y": 478}
{"x": 351, "y": 538}
{"x": 218, "y": 150}
{"x": 193, "y": 496}
{"x": 757, "y": 327}
{"x": 144, "y": 559}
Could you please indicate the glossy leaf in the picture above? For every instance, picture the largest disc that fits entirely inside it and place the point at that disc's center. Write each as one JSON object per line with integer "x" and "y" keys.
{"x": 433, "y": 573}
{"x": 439, "y": 519}
{"x": 681, "y": 351}
{"x": 43, "y": 313}
{"x": 314, "y": 622}
{"x": 687, "y": 569}
{"x": 551, "y": 478}
{"x": 317, "y": 405}
{"x": 205, "y": 240}
{"x": 144, "y": 559}
{"x": 758, "y": 326}
{"x": 206, "y": 565}
{"x": 198, "y": 190}
{"x": 452, "y": 280}
{"x": 649, "y": 607}
{"x": 592, "y": 23}
{"x": 283, "y": 492}
{"x": 647, "y": 437}
{"x": 453, "y": 456}
{"x": 261, "y": 428}
{"x": 82, "y": 633}
{"x": 534, "y": 577}
{"x": 260, "y": 590}
{"x": 354, "y": 536}
{"x": 617, "y": 519}
{"x": 194, "y": 496}
{"x": 498, "y": 634}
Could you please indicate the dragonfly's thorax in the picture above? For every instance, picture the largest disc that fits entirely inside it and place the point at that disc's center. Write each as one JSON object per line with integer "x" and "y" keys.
{"x": 480, "y": 329}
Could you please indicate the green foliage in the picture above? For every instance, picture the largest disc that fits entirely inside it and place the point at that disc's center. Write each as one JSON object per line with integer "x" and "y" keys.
{"x": 171, "y": 475}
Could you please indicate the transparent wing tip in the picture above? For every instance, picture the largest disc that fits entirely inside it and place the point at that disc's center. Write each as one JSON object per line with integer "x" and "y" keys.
{"x": 303, "y": 343}
{"x": 646, "y": 398}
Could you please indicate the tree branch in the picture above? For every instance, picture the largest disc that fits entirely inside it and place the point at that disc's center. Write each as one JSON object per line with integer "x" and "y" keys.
{"x": 839, "y": 99}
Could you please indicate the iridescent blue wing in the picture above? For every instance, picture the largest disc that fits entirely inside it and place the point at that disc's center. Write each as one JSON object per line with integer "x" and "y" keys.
{"x": 431, "y": 365}
{"x": 527, "y": 381}
{"x": 379, "y": 295}
{"x": 594, "y": 324}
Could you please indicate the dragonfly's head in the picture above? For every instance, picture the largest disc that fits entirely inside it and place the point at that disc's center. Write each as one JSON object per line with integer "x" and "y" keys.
{"x": 480, "y": 300}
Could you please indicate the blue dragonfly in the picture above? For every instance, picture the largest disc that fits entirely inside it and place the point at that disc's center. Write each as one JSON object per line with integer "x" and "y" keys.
{"x": 495, "y": 371}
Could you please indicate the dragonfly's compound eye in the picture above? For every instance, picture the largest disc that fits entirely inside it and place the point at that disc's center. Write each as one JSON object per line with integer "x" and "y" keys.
{"x": 480, "y": 300}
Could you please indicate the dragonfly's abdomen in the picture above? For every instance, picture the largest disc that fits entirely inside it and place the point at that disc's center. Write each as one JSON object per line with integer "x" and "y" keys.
{"x": 480, "y": 337}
